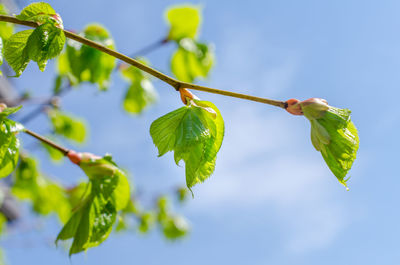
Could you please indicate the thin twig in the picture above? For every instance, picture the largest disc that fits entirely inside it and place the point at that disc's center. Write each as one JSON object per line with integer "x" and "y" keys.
{"x": 47, "y": 141}
{"x": 169, "y": 80}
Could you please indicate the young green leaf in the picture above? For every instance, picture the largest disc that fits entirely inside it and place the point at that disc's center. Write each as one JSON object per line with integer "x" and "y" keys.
{"x": 9, "y": 143}
{"x": 141, "y": 92}
{"x": 92, "y": 221}
{"x": 39, "y": 12}
{"x": 184, "y": 21}
{"x": 333, "y": 134}
{"x": 6, "y": 29}
{"x": 70, "y": 127}
{"x": 45, "y": 195}
{"x": 39, "y": 45}
{"x": 81, "y": 63}
{"x": 192, "y": 60}
{"x": 15, "y": 51}
{"x": 195, "y": 133}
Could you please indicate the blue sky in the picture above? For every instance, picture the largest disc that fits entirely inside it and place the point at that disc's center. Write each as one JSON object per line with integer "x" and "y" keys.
{"x": 271, "y": 200}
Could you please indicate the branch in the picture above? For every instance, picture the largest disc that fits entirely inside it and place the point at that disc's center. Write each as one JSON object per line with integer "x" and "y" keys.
{"x": 163, "y": 77}
{"x": 63, "y": 150}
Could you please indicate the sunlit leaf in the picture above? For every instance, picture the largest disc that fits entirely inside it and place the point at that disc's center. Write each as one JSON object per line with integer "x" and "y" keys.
{"x": 192, "y": 60}
{"x": 39, "y": 12}
{"x": 195, "y": 133}
{"x": 9, "y": 143}
{"x": 6, "y": 29}
{"x": 96, "y": 213}
{"x": 15, "y": 51}
{"x": 334, "y": 135}
{"x": 68, "y": 126}
{"x": 184, "y": 21}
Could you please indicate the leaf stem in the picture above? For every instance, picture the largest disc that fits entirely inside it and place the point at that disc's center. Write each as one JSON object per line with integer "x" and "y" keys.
{"x": 163, "y": 77}
{"x": 47, "y": 141}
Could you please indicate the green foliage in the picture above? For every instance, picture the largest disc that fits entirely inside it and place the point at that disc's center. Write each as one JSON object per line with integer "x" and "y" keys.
{"x": 192, "y": 60}
{"x": 45, "y": 195}
{"x": 93, "y": 218}
{"x": 6, "y": 29}
{"x": 54, "y": 154}
{"x": 195, "y": 133}
{"x": 9, "y": 143}
{"x": 81, "y": 63}
{"x": 141, "y": 92}
{"x": 172, "y": 226}
{"x": 70, "y": 127}
{"x": 335, "y": 136}
{"x": 39, "y": 45}
{"x": 39, "y": 12}
{"x": 184, "y": 21}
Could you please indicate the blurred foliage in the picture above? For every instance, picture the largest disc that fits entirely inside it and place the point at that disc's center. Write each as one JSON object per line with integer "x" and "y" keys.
{"x": 45, "y": 195}
{"x": 141, "y": 92}
{"x": 81, "y": 63}
{"x": 67, "y": 126}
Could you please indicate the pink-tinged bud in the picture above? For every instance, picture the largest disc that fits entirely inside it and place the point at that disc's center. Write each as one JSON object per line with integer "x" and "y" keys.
{"x": 186, "y": 94}
{"x": 293, "y": 107}
{"x": 314, "y": 108}
{"x": 2, "y": 107}
{"x": 57, "y": 18}
{"x": 74, "y": 157}
{"x": 87, "y": 157}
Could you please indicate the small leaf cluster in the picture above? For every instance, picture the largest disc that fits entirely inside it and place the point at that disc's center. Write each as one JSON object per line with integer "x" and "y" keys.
{"x": 40, "y": 44}
{"x": 45, "y": 195}
{"x": 81, "y": 63}
{"x": 96, "y": 212}
{"x": 173, "y": 226}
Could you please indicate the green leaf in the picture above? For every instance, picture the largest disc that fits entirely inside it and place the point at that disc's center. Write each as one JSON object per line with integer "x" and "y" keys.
{"x": 46, "y": 196}
{"x": 141, "y": 92}
{"x": 95, "y": 215}
{"x": 39, "y": 12}
{"x": 192, "y": 60}
{"x": 184, "y": 21}
{"x": 195, "y": 133}
{"x": 6, "y": 29}
{"x": 39, "y": 45}
{"x": 175, "y": 227}
{"x": 15, "y": 53}
{"x": 82, "y": 63}
{"x": 334, "y": 135}
{"x": 68, "y": 126}
{"x": 9, "y": 143}
{"x": 45, "y": 42}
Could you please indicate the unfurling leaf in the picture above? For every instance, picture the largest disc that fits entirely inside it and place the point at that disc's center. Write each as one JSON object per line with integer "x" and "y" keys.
{"x": 192, "y": 60}
{"x": 184, "y": 22}
{"x": 39, "y": 45}
{"x": 81, "y": 63}
{"x": 9, "y": 143}
{"x": 195, "y": 133}
{"x": 141, "y": 92}
{"x": 333, "y": 134}
{"x": 45, "y": 195}
{"x": 95, "y": 214}
{"x": 70, "y": 127}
